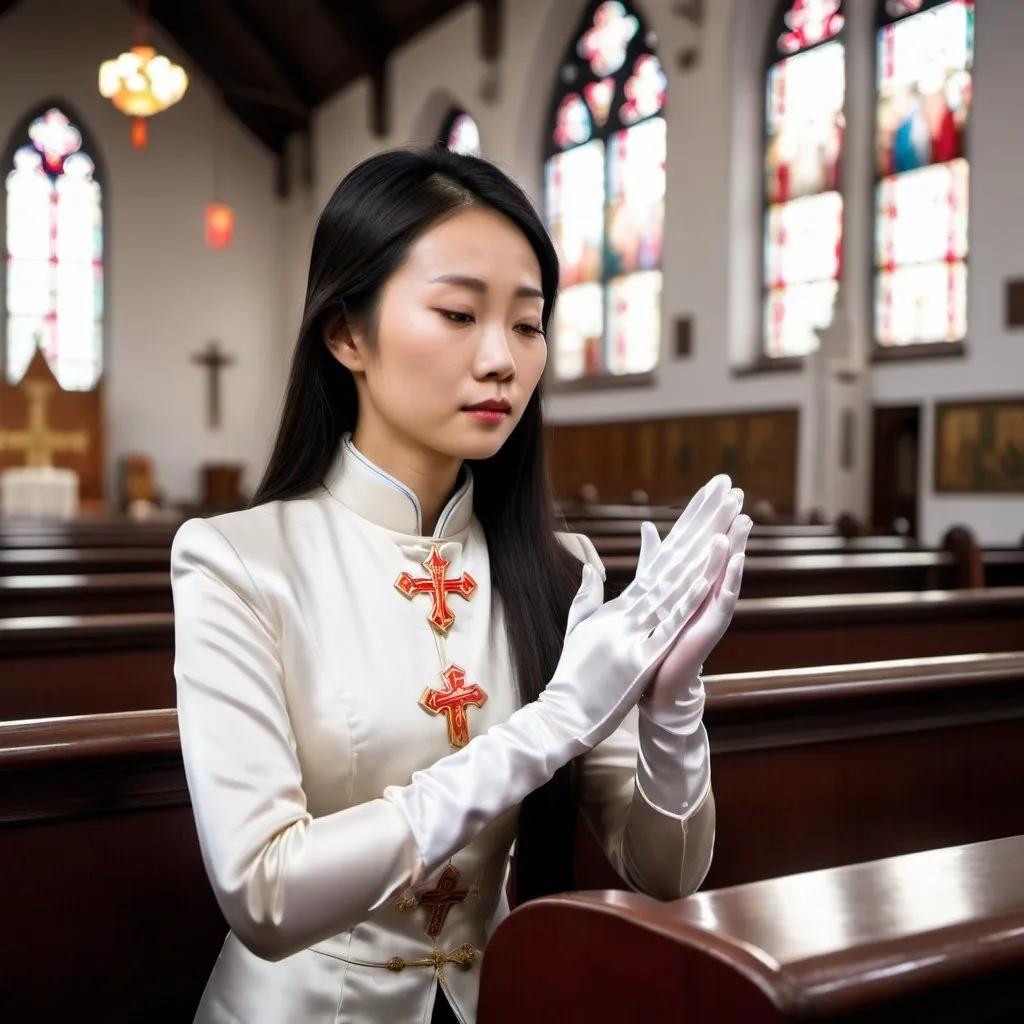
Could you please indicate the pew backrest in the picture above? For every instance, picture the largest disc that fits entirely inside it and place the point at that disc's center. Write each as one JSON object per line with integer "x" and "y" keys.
{"x": 40, "y": 561}
{"x": 108, "y": 908}
{"x": 84, "y": 594}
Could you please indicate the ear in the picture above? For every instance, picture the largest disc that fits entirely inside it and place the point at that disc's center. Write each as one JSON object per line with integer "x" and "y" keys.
{"x": 343, "y": 344}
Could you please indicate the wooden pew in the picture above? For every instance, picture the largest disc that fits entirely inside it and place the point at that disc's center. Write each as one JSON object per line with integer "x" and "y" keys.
{"x": 99, "y": 594}
{"x": 56, "y": 666}
{"x": 1003, "y": 567}
{"x": 818, "y": 767}
{"x": 114, "y": 786}
{"x": 600, "y": 526}
{"x": 86, "y": 534}
{"x": 629, "y": 544}
{"x": 576, "y": 511}
{"x": 74, "y": 561}
{"x": 107, "y": 914}
{"x": 936, "y": 936}
{"x": 842, "y": 572}
{"x": 836, "y": 629}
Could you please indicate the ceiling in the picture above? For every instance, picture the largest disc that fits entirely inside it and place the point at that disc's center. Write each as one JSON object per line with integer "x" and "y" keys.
{"x": 274, "y": 62}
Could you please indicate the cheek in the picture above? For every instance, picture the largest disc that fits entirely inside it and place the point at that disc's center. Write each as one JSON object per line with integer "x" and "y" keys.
{"x": 530, "y": 363}
{"x": 415, "y": 348}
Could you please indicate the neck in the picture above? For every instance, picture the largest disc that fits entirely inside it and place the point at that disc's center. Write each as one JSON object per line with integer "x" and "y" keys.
{"x": 431, "y": 476}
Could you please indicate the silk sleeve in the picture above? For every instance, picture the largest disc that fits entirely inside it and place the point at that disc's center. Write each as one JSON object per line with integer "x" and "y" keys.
{"x": 284, "y": 879}
{"x": 662, "y": 856}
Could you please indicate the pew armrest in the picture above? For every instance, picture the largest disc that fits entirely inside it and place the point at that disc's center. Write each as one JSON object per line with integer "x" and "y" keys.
{"x": 825, "y": 943}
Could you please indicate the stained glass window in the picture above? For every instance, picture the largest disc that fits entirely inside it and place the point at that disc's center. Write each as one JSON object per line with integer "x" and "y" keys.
{"x": 604, "y": 196}
{"x": 925, "y": 55}
{"x": 461, "y": 133}
{"x": 54, "y": 254}
{"x": 805, "y": 95}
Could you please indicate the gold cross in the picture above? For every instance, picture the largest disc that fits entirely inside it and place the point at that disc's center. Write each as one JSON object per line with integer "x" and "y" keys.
{"x": 37, "y": 440}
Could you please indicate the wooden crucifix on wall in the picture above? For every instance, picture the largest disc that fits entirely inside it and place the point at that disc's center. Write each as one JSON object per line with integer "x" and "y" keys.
{"x": 214, "y": 360}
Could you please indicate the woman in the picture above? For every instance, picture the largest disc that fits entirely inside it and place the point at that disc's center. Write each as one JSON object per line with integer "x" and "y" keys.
{"x": 383, "y": 674}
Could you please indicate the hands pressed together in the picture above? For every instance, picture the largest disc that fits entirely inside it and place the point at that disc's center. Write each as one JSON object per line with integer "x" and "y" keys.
{"x": 648, "y": 644}
{"x": 645, "y": 647}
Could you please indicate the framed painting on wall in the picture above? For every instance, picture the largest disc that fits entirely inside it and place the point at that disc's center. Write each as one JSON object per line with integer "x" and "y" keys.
{"x": 979, "y": 446}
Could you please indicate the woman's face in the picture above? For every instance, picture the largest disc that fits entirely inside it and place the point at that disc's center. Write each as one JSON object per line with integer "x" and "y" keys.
{"x": 458, "y": 324}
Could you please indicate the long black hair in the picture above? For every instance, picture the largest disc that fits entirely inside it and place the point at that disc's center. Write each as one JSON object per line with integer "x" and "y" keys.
{"x": 364, "y": 233}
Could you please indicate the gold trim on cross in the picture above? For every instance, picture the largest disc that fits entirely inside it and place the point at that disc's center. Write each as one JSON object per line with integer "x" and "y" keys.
{"x": 452, "y": 702}
{"x": 442, "y": 899}
{"x": 438, "y": 586}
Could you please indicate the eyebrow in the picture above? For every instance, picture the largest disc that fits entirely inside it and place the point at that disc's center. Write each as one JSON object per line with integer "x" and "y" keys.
{"x": 524, "y": 291}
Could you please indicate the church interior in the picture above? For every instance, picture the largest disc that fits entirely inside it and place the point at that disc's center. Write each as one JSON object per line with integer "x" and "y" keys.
{"x": 791, "y": 244}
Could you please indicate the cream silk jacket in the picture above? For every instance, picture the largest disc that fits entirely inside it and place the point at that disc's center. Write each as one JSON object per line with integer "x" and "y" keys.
{"x": 315, "y": 667}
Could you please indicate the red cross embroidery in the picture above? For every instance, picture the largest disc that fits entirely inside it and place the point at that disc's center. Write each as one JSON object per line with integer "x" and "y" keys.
{"x": 452, "y": 702}
{"x": 442, "y": 898}
{"x": 439, "y": 587}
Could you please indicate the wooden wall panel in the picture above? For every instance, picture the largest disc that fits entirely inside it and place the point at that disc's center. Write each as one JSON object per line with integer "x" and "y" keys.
{"x": 672, "y": 458}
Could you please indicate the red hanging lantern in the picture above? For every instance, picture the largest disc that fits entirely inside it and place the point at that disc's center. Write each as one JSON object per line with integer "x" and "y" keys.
{"x": 220, "y": 225}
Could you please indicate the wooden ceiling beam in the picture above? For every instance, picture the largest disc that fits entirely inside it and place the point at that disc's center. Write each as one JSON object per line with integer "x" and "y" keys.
{"x": 358, "y": 22}
{"x": 287, "y": 69}
{"x": 427, "y": 15}
{"x": 373, "y": 41}
{"x": 490, "y": 29}
{"x": 243, "y": 98}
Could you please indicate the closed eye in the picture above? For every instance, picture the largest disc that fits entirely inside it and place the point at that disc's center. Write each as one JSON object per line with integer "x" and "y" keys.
{"x": 455, "y": 317}
{"x": 530, "y": 330}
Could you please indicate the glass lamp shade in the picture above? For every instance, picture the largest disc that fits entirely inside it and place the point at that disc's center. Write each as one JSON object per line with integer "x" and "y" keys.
{"x": 141, "y": 83}
{"x": 220, "y": 225}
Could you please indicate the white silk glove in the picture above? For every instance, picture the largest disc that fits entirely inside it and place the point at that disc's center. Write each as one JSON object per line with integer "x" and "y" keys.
{"x": 611, "y": 654}
{"x": 673, "y": 762}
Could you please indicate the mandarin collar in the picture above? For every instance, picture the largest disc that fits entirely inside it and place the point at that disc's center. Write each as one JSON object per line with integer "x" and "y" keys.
{"x": 372, "y": 494}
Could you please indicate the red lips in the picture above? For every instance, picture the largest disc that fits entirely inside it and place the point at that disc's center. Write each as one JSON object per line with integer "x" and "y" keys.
{"x": 491, "y": 405}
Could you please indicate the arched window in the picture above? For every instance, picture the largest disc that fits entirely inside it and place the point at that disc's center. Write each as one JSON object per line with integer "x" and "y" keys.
{"x": 461, "y": 133}
{"x": 805, "y": 93}
{"x": 605, "y": 196}
{"x": 925, "y": 54}
{"x": 54, "y": 252}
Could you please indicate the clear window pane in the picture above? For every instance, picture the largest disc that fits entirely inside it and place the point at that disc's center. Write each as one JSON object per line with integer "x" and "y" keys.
{"x": 579, "y": 329}
{"x": 922, "y": 215}
{"x": 922, "y": 303}
{"x": 575, "y": 210}
{"x": 634, "y": 323}
{"x": 803, "y": 239}
{"x": 78, "y": 219}
{"x": 24, "y": 334}
{"x": 793, "y": 313}
{"x": 29, "y": 194}
{"x": 636, "y": 200}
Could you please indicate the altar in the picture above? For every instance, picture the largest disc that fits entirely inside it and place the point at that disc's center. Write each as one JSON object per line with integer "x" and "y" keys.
{"x": 34, "y": 416}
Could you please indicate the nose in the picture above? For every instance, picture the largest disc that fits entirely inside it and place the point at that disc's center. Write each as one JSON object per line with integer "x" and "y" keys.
{"x": 494, "y": 359}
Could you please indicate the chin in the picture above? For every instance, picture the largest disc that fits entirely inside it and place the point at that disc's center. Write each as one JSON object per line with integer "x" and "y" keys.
{"x": 478, "y": 444}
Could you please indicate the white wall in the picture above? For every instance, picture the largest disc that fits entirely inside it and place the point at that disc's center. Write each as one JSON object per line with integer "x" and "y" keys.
{"x": 712, "y": 245}
{"x": 168, "y": 293}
